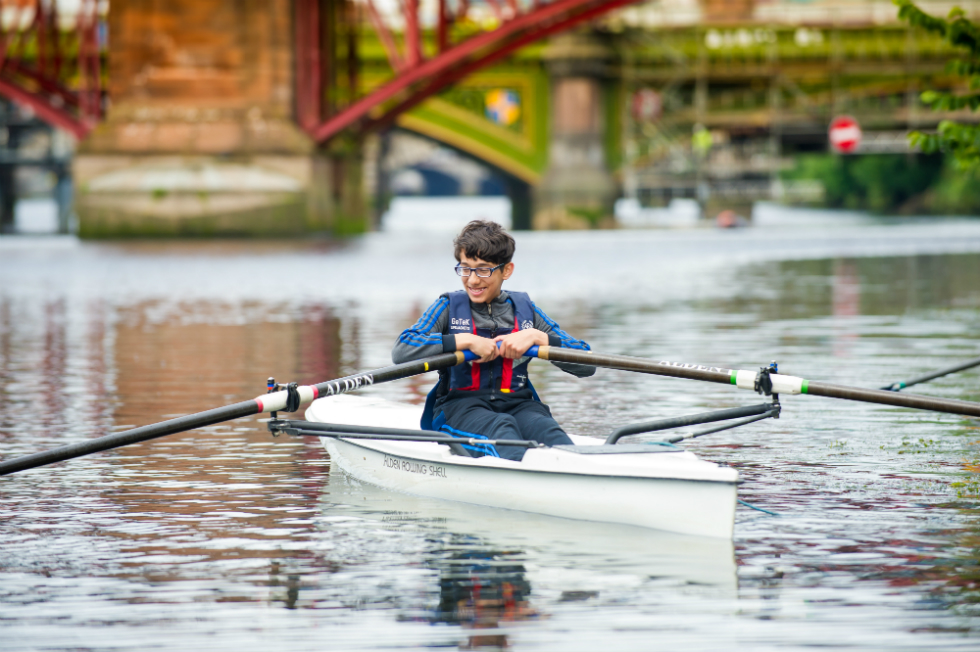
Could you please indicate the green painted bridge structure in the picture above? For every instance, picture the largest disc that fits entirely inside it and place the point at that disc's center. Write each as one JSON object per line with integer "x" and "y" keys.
{"x": 210, "y": 127}
{"x": 762, "y": 94}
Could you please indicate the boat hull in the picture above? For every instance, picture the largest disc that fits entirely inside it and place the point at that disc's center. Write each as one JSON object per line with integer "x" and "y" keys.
{"x": 704, "y": 508}
{"x": 659, "y": 487}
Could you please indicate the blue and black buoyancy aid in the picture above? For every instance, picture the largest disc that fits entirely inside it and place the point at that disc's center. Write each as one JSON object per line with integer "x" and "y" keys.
{"x": 500, "y": 374}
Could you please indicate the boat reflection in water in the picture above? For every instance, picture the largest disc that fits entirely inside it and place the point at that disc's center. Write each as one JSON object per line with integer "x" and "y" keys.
{"x": 482, "y": 590}
{"x": 497, "y": 569}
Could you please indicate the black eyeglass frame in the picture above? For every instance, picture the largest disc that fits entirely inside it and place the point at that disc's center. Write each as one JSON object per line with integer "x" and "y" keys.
{"x": 459, "y": 270}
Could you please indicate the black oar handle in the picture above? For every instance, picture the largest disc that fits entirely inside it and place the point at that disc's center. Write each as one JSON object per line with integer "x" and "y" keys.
{"x": 743, "y": 379}
{"x": 265, "y": 403}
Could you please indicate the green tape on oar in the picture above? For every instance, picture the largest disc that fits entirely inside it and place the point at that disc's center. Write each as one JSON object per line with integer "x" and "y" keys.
{"x": 744, "y": 379}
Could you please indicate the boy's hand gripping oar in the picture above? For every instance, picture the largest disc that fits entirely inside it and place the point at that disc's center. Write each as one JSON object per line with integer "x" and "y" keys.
{"x": 287, "y": 400}
{"x": 899, "y": 386}
{"x": 748, "y": 379}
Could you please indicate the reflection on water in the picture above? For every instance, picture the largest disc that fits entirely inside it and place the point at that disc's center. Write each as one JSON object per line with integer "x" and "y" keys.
{"x": 230, "y": 538}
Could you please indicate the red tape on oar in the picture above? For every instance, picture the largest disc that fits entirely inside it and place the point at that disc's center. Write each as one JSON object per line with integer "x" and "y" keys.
{"x": 274, "y": 402}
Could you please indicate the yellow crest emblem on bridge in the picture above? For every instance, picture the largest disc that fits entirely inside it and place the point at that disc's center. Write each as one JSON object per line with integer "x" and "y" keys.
{"x": 503, "y": 106}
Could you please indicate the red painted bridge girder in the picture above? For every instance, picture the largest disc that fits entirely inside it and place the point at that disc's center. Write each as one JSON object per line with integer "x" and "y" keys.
{"x": 53, "y": 68}
{"x": 58, "y": 71}
{"x": 417, "y": 78}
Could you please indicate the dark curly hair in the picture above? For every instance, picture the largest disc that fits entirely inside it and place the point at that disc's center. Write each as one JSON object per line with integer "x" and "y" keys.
{"x": 485, "y": 240}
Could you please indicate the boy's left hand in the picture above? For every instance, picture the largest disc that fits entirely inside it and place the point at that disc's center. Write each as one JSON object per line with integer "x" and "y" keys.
{"x": 516, "y": 344}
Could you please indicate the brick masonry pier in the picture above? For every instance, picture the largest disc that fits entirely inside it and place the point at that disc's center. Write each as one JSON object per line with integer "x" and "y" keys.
{"x": 199, "y": 137}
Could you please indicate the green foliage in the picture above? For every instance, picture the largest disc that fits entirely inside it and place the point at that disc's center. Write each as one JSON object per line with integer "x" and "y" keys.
{"x": 879, "y": 183}
{"x": 960, "y": 140}
{"x": 968, "y": 489}
{"x": 956, "y": 193}
{"x": 589, "y": 214}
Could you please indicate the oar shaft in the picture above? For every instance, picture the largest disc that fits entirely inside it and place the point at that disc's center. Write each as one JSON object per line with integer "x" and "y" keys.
{"x": 265, "y": 403}
{"x": 134, "y": 436}
{"x": 743, "y": 379}
{"x": 894, "y": 387}
{"x": 628, "y": 363}
{"x": 885, "y": 397}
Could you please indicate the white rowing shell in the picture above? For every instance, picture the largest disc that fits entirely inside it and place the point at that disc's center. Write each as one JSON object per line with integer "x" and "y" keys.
{"x": 672, "y": 491}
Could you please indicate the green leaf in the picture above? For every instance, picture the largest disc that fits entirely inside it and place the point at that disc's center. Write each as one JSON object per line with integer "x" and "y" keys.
{"x": 962, "y": 141}
{"x": 908, "y": 12}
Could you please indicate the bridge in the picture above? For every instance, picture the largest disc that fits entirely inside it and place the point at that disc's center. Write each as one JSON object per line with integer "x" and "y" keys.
{"x": 214, "y": 116}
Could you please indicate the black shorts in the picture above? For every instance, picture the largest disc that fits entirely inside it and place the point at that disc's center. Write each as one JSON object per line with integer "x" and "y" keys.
{"x": 502, "y": 418}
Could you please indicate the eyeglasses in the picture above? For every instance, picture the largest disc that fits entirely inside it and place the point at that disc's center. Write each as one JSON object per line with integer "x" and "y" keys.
{"x": 482, "y": 272}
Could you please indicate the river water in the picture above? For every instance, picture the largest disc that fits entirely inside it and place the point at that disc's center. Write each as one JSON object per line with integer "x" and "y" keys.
{"x": 230, "y": 539}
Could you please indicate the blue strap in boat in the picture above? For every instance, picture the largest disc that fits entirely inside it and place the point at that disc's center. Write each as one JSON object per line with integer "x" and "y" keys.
{"x": 439, "y": 421}
{"x": 485, "y": 449}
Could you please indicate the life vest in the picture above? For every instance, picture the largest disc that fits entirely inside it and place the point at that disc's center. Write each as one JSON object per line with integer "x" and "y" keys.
{"x": 498, "y": 374}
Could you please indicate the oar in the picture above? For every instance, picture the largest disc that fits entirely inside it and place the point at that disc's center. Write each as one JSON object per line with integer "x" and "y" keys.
{"x": 273, "y": 402}
{"x": 899, "y": 386}
{"x": 744, "y": 379}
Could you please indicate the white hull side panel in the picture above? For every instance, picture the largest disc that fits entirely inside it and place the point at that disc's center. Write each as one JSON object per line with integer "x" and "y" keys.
{"x": 704, "y": 508}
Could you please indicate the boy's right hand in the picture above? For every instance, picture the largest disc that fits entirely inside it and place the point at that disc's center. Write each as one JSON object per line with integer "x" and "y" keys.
{"x": 481, "y": 346}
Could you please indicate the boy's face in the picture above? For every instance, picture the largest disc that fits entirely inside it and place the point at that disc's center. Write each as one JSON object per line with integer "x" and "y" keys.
{"x": 484, "y": 290}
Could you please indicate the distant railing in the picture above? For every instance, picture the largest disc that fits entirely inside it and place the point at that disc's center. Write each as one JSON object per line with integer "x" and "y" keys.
{"x": 51, "y": 60}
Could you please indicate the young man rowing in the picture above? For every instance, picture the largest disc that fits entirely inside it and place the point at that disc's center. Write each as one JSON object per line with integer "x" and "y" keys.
{"x": 492, "y": 397}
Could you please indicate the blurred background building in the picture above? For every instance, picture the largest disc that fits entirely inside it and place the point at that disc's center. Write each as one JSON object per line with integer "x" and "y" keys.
{"x": 284, "y": 117}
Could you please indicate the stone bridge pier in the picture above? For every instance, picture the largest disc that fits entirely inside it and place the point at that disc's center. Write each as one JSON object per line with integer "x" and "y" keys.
{"x": 200, "y": 136}
{"x": 577, "y": 189}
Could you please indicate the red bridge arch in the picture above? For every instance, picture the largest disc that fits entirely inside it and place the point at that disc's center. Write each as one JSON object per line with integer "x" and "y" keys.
{"x": 54, "y": 63}
{"x": 417, "y": 78}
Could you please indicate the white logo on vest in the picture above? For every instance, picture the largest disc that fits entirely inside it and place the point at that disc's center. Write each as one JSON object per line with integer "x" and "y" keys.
{"x": 526, "y": 324}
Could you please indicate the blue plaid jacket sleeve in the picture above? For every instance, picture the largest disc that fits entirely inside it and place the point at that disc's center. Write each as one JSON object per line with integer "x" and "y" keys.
{"x": 559, "y": 338}
{"x": 426, "y": 337}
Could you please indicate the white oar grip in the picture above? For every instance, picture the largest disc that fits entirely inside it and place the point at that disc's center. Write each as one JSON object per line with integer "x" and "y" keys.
{"x": 780, "y": 384}
{"x": 277, "y": 400}
{"x": 786, "y": 384}
{"x": 745, "y": 379}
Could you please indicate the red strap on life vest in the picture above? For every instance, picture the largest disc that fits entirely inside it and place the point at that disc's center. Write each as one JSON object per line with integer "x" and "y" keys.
{"x": 507, "y": 375}
{"x": 474, "y": 368}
